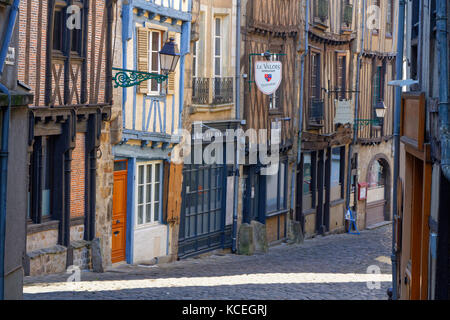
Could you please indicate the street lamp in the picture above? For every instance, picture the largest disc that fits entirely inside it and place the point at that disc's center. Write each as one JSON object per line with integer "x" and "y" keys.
{"x": 380, "y": 109}
{"x": 169, "y": 56}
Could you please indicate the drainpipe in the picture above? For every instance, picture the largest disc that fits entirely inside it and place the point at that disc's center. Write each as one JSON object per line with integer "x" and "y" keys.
{"x": 397, "y": 114}
{"x": 302, "y": 81}
{"x": 300, "y": 109}
{"x": 238, "y": 117}
{"x": 444, "y": 123}
{"x": 4, "y": 146}
{"x": 355, "y": 128}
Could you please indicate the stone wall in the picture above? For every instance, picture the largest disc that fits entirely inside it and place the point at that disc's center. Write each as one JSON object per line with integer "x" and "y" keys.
{"x": 366, "y": 154}
{"x": 111, "y": 135}
{"x": 42, "y": 240}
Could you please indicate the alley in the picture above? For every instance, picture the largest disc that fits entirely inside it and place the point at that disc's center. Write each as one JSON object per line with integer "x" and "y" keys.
{"x": 332, "y": 267}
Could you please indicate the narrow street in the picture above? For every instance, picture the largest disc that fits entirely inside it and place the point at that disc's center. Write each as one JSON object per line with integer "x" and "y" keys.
{"x": 332, "y": 267}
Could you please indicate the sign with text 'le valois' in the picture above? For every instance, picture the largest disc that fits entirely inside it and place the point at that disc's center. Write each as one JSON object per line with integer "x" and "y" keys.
{"x": 268, "y": 76}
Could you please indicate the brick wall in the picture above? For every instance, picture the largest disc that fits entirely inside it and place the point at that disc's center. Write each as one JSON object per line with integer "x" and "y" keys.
{"x": 78, "y": 179}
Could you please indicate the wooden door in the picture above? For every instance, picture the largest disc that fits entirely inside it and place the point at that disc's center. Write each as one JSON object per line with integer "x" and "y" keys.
{"x": 119, "y": 219}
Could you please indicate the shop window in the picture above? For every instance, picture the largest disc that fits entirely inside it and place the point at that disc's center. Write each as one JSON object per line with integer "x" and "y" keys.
{"x": 41, "y": 177}
{"x": 276, "y": 190}
{"x": 149, "y": 193}
{"x": 337, "y": 173}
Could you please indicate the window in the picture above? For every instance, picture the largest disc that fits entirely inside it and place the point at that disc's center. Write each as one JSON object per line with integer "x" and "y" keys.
{"x": 149, "y": 193}
{"x": 155, "y": 41}
{"x": 275, "y": 99}
{"x": 389, "y": 17}
{"x": 307, "y": 173}
{"x": 195, "y": 60}
{"x": 377, "y": 24}
{"x": 58, "y": 29}
{"x": 341, "y": 76}
{"x": 218, "y": 48}
{"x": 337, "y": 173}
{"x": 376, "y": 175}
{"x": 41, "y": 175}
{"x": 378, "y": 85}
{"x": 316, "y": 103}
{"x": 276, "y": 190}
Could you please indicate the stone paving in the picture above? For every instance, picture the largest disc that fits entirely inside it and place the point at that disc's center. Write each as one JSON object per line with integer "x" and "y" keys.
{"x": 322, "y": 268}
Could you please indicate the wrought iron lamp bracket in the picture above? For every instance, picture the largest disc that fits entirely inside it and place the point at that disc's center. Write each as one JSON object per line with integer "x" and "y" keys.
{"x": 129, "y": 78}
{"x": 366, "y": 122}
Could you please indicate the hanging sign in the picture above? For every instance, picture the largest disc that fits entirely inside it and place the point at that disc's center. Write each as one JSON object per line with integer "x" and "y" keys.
{"x": 268, "y": 76}
{"x": 344, "y": 112}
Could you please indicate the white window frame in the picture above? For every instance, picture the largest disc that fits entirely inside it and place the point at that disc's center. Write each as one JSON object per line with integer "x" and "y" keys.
{"x": 273, "y": 98}
{"x": 215, "y": 36}
{"x": 150, "y": 61}
{"x": 195, "y": 57}
{"x": 153, "y": 201}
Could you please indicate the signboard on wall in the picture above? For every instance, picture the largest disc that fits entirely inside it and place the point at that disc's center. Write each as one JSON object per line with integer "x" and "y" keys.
{"x": 268, "y": 76}
{"x": 344, "y": 112}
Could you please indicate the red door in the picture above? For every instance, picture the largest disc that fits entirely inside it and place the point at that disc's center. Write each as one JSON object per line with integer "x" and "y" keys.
{"x": 119, "y": 219}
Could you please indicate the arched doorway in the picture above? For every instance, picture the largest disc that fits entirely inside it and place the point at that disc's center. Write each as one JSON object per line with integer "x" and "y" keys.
{"x": 379, "y": 191}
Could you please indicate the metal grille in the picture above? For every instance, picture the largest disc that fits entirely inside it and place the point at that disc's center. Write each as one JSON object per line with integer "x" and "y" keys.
{"x": 223, "y": 90}
{"x": 316, "y": 110}
{"x": 200, "y": 91}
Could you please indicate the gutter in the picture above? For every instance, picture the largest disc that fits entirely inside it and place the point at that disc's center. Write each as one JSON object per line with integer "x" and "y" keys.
{"x": 4, "y": 142}
{"x": 397, "y": 115}
{"x": 444, "y": 123}
{"x": 238, "y": 117}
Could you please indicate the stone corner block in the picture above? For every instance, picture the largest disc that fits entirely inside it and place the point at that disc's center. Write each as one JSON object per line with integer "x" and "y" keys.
{"x": 245, "y": 240}
{"x": 259, "y": 237}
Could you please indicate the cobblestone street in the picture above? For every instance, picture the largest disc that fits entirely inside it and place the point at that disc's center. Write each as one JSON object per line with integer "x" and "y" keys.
{"x": 332, "y": 267}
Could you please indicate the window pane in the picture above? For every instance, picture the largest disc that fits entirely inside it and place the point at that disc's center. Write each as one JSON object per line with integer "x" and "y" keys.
{"x": 335, "y": 166}
{"x": 271, "y": 193}
{"x": 217, "y": 66}
{"x": 157, "y": 172}
{"x": 140, "y": 194}
{"x": 155, "y": 62}
{"x": 307, "y": 178}
{"x": 149, "y": 173}
{"x": 157, "y": 191}
{"x": 218, "y": 27}
{"x": 218, "y": 49}
{"x": 149, "y": 193}
{"x": 156, "y": 213}
{"x": 140, "y": 214}
{"x": 155, "y": 41}
{"x": 282, "y": 173}
{"x": 148, "y": 213}
{"x": 141, "y": 175}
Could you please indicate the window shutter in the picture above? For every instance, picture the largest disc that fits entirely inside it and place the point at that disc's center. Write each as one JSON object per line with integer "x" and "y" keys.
{"x": 142, "y": 56}
{"x": 171, "y": 80}
{"x": 171, "y": 83}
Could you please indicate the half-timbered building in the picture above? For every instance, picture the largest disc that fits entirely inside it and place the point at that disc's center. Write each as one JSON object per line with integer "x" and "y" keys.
{"x": 372, "y": 156}
{"x": 321, "y": 178}
{"x": 65, "y": 58}
{"x": 270, "y": 27}
{"x": 142, "y": 228}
